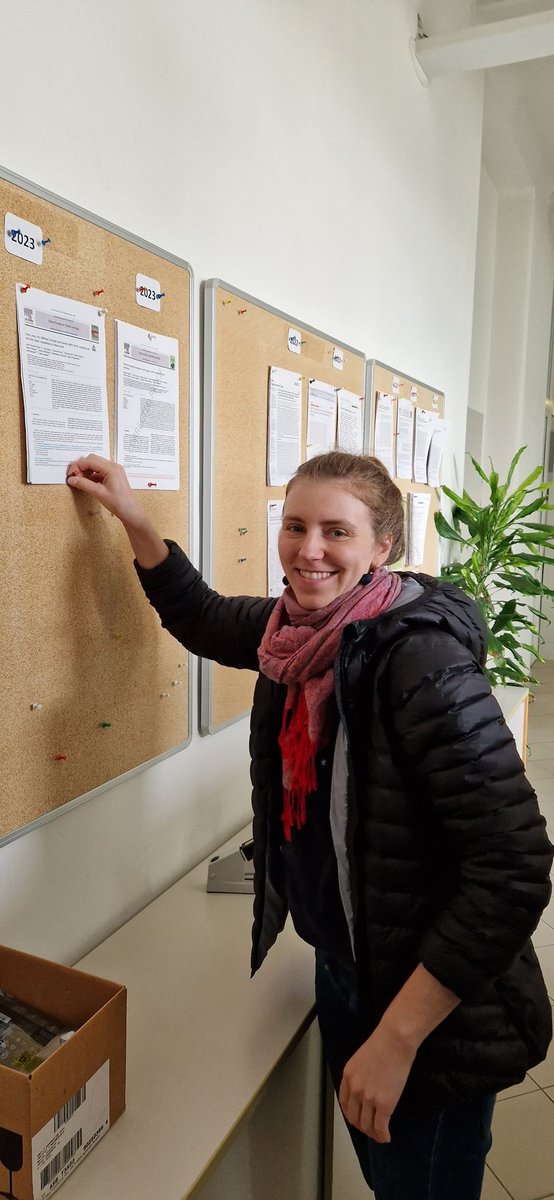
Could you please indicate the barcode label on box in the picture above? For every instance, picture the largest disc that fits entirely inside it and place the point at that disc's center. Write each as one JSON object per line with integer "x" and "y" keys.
{"x": 72, "y": 1131}
{"x": 68, "y": 1109}
{"x": 61, "y": 1159}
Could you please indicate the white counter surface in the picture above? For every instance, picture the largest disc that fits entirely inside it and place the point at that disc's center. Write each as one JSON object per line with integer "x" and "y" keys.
{"x": 203, "y": 1038}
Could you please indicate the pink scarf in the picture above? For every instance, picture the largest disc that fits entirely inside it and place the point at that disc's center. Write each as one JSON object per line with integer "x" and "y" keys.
{"x": 299, "y": 648}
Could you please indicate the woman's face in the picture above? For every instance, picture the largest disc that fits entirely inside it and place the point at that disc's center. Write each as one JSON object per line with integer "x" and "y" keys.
{"x": 326, "y": 541}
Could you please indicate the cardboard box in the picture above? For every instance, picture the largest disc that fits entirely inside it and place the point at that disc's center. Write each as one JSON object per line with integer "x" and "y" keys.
{"x": 51, "y": 1118}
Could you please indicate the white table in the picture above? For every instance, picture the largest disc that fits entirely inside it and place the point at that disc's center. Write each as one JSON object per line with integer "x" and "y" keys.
{"x": 203, "y": 1038}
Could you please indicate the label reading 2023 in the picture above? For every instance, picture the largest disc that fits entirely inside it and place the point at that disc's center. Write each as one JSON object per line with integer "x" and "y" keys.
{"x": 22, "y": 238}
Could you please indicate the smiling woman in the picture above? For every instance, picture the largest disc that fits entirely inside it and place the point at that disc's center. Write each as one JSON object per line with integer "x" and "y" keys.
{"x": 327, "y": 541}
{"x": 392, "y": 816}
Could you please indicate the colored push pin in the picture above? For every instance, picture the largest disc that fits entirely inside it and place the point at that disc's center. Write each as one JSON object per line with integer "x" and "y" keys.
{"x": 36, "y": 707}
{"x": 160, "y": 295}
{"x": 104, "y": 724}
{"x": 152, "y": 485}
{"x": 140, "y": 289}
{"x": 242, "y": 530}
{"x": 241, "y": 311}
{"x": 224, "y": 302}
{"x": 60, "y": 757}
{"x": 98, "y": 292}
{"x": 46, "y": 241}
{"x": 241, "y": 560}
{"x": 25, "y": 287}
{"x": 13, "y": 233}
{"x": 176, "y": 682}
{"x": 164, "y": 695}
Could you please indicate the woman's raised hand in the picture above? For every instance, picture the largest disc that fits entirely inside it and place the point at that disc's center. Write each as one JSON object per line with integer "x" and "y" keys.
{"x": 108, "y": 482}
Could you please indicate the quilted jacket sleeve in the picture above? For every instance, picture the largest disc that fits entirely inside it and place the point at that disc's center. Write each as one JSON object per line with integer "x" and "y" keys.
{"x": 448, "y": 730}
{"x": 227, "y": 629}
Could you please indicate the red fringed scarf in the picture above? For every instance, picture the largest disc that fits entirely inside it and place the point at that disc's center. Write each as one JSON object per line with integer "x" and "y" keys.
{"x": 299, "y": 648}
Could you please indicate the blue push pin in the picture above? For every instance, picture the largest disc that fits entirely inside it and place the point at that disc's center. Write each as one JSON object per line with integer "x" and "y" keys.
{"x": 45, "y": 241}
{"x": 160, "y": 295}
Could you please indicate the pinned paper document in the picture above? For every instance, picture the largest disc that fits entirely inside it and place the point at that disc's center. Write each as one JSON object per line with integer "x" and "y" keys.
{"x": 62, "y": 346}
{"x": 418, "y": 512}
{"x": 322, "y": 418}
{"x": 384, "y": 410}
{"x": 404, "y": 438}
{"x": 275, "y": 585}
{"x": 284, "y": 425}
{"x": 350, "y": 422}
{"x": 436, "y": 450}
{"x": 424, "y": 426}
{"x": 147, "y": 407}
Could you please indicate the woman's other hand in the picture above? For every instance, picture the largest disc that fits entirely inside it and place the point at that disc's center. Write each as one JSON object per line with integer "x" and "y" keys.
{"x": 375, "y": 1077}
{"x": 372, "y": 1083}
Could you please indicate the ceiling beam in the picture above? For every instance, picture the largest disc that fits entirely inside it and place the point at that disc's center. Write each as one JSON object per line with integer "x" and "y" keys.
{"x": 497, "y": 44}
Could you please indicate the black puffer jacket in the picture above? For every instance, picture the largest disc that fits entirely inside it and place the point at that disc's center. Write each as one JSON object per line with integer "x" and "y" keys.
{"x": 448, "y": 856}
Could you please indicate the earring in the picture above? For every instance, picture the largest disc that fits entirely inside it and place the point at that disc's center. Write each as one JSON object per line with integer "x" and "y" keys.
{"x": 365, "y": 579}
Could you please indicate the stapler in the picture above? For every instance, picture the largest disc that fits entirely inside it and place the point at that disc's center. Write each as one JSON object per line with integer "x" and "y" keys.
{"x": 232, "y": 872}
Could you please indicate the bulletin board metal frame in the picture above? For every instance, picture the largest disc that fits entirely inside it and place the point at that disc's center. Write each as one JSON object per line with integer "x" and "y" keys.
{"x": 211, "y": 311}
{"x": 379, "y": 378}
{"x": 143, "y": 317}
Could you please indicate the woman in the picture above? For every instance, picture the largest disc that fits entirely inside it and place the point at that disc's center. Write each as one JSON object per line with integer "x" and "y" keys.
{"x": 392, "y": 817}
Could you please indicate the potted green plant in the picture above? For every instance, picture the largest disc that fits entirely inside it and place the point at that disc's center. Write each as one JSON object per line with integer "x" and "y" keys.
{"x": 502, "y": 551}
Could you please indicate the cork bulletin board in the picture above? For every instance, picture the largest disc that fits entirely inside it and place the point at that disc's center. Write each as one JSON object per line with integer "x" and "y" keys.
{"x": 243, "y": 338}
{"x": 381, "y": 378}
{"x": 92, "y": 687}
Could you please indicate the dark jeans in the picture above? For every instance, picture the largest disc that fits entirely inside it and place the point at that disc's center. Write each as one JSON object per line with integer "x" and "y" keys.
{"x": 436, "y": 1152}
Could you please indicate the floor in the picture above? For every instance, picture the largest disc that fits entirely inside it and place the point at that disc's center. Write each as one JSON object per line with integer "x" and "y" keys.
{"x": 521, "y": 1162}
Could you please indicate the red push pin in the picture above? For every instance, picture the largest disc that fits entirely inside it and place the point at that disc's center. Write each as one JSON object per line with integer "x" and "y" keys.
{"x": 25, "y": 287}
{"x": 99, "y": 292}
{"x": 241, "y": 311}
{"x": 152, "y": 485}
{"x": 60, "y": 757}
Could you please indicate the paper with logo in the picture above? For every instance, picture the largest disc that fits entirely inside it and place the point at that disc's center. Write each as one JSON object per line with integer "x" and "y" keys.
{"x": 275, "y": 585}
{"x": 62, "y": 348}
{"x": 436, "y": 450}
{"x": 425, "y": 424}
{"x": 404, "y": 438}
{"x": 418, "y": 512}
{"x": 284, "y": 425}
{"x": 322, "y": 418}
{"x": 384, "y": 411}
{"x": 350, "y": 422}
{"x": 147, "y": 407}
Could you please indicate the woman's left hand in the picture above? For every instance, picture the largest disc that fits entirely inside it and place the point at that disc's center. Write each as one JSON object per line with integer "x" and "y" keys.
{"x": 373, "y": 1081}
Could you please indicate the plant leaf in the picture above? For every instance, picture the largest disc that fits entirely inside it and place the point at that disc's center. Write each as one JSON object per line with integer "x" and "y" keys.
{"x": 445, "y": 530}
{"x": 514, "y": 463}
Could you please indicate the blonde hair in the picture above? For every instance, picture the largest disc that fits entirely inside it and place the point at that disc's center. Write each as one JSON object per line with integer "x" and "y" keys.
{"x": 367, "y": 479}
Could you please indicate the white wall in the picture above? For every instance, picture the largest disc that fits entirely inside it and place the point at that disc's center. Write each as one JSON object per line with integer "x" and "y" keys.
{"x": 288, "y": 147}
{"x": 513, "y": 293}
{"x": 513, "y": 290}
